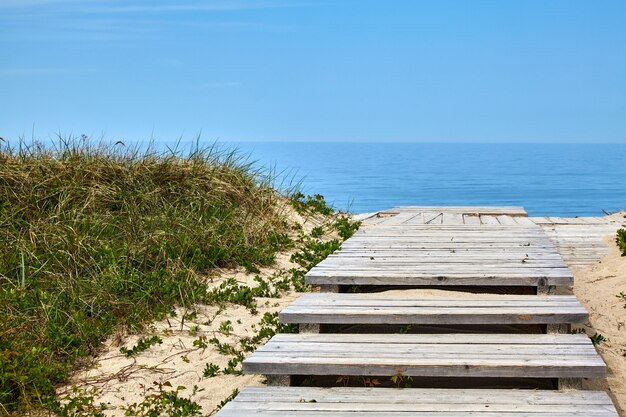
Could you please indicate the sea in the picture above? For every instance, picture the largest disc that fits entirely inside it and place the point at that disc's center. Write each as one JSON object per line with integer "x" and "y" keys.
{"x": 547, "y": 179}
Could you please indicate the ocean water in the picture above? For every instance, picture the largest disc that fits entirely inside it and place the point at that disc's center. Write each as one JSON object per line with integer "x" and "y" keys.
{"x": 547, "y": 179}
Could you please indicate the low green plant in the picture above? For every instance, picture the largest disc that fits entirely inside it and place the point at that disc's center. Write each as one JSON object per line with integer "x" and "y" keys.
{"x": 406, "y": 329}
{"x": 317, "y": 232}
{"x": 194, "y": 330}
{"x": 228, "y": 399}
{"x": 307, "y": 204}
{"x": 401, "y": 381}
{"x": 232, "y": 368}
{"x": 142, "y": 345}
{"x": 621, "y": 240}
{"x": 315, "y": 251}
{"x": 231, "y": 291}
{"x": 622, "y": 297}
{"x": 163, "y": 402}
{"x": 210, "y": 370}
{"x": 223, "y": 347}
{"x": 201, "y": 342}
{"x": 226, "y": 327}
{"x": 346, "y": 227}
{"x": 597, "y": 339}
{"x": 78, "y": 404}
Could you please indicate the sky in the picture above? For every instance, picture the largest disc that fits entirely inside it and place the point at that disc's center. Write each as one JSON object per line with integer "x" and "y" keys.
{"x": 531, "y": 71}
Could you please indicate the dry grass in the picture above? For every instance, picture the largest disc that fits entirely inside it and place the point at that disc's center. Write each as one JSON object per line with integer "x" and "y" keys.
{"x": 93, "y": 237}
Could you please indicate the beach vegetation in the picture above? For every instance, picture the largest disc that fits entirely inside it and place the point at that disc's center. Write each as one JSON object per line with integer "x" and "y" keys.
{"x": 210, "y": 370}
{"x": 226, "y": 327}
{"x": 621, "y": 240}
{"x": 94, "y": 237}
{"x": 597, "y": 339}
{"x": 142, "y": 345}
{"x": 310, "y": 204}
{"x": 160, "y": 400}
{"x": 226, "y": 400}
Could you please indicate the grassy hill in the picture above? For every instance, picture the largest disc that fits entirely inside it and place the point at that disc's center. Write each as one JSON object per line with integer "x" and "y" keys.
{"x": 93, "y": 237}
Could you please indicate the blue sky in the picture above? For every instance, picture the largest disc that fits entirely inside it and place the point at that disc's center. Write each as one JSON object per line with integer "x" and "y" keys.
{"x": 243, "y": 70}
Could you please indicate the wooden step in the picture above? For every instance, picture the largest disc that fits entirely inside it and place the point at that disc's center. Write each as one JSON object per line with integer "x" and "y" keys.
{"x": 475, "y": 210}
{"x": 429, "y": 355}
{"x": 445, "y": 255}
{"x": 382, "y": 308}
{"x": 414, "y": 402}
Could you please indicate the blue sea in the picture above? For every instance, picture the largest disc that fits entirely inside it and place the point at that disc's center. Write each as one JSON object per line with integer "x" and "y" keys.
{"x": 547, "y": 179}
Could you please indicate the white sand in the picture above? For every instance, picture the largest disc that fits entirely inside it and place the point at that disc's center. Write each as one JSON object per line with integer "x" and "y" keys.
{"x": 121, "y": 381}
{"x": 597, "y": 287}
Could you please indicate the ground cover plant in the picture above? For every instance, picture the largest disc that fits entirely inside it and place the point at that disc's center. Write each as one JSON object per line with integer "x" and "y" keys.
{"x": 621, "y": 240}
{"x": 98, "y": 236}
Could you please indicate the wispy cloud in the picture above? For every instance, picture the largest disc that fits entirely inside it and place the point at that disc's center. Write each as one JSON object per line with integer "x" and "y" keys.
{"x": 134, "y": 6}
{"x": 196, "y": 6}
{"x": 115, "y": 20}
{"x": 19, "y": 72}
{"x": 21, "y": 4}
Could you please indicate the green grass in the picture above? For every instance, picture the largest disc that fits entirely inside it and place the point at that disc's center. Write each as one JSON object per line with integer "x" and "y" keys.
{"x": 93, "y": 237}
{"x": 621, "y": 240}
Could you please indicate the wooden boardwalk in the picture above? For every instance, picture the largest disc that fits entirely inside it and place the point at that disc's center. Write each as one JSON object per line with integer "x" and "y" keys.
{"x": 581, "y": 241}
{"x": 410, "y": 249}
{"x": 470, "y": 249}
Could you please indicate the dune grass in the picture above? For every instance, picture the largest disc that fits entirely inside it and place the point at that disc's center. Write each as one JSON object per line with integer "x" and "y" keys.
{"x": 620, "y": 239}
{"x": 93, "y": 237}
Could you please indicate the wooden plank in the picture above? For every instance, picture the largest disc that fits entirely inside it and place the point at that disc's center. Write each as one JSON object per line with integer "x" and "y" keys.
{"x": 466, "y": 339}
{"x": 431, "y": 218}
{"x": 508, "y": 220}
{"x": 434, "y": 279}
{"x": 452, "y": 355}
{"x": 489, "y": 219}
{"x": 524, "y": 221}
{"x": 423, "y": 396}
{"x": 385, "y": 402}
{"x": 455, "y": 299}
{"x": 470, "y": 219}
{"x": 452, "y": 218}
{"x": 473, "y": 309}
{"x": 477, "y": 210}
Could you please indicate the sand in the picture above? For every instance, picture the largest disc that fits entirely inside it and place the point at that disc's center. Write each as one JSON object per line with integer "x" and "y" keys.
{"x": 597, "y": 287}
{"x": 119, "y": 381}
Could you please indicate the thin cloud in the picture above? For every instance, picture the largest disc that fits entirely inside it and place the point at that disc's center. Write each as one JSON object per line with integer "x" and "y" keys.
{"x": 23, "y": 4}
{"x": 117, "y": 6}
{"x": 20, "y": 72}
{"x": 116, "y": 20}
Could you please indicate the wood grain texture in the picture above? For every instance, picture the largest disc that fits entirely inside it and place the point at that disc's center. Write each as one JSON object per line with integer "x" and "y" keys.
{"x": 440, "y": 355}
{"x": 385, "y": 402}
{"x": 498, "y": 251}
{"x": 378, "y": 308}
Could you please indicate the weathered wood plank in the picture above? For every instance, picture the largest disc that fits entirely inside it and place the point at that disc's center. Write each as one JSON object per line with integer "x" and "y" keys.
{"x": 436, "y": 280}
{"x": 493, "y": 210}
{"x": 383, "y": 402}
{"x": 567, "y": 356}
{"x": 473, "y": 309}
{"x": 489, "y": 219}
